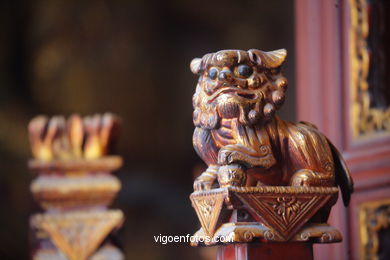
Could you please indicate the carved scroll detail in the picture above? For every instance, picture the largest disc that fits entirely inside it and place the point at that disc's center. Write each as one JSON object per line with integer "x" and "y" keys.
{"x": 374, "y": 217}
{"x": 365, "y": 119}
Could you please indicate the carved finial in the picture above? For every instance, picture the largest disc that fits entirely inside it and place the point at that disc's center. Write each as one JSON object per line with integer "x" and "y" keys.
{"x": 74, "y": 186}
{"x": 89, "y": 138}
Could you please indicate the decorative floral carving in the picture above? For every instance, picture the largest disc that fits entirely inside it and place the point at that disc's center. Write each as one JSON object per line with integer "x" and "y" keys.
{"x": 365, "y": 118}
{"x": 374, "y": 218}
{"x": 287, "y": 207}
{"x": 206, "y": 206}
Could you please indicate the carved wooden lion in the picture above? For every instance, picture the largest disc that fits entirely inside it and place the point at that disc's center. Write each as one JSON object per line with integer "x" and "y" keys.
{"x": 238, "y": 135}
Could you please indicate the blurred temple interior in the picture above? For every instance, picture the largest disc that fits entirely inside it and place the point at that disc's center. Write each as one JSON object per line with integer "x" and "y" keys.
{"x": 132, "y": 58}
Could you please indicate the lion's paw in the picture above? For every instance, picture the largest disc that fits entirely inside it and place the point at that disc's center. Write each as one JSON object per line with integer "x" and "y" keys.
{"x": 304, "y": 177}
{"x": 231, "y": 175}
{"x": 204, "y": 182}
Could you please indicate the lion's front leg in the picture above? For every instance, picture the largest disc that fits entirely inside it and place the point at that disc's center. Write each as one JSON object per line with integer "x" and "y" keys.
{"x": 234, "y": 163}
{"x": 206, "y": 180}
{"x": 227, "y": 175}
{"x": 205, "y": 147}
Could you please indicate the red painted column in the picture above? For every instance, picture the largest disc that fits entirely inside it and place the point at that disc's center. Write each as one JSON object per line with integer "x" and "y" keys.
{"x": 320, "y": 89}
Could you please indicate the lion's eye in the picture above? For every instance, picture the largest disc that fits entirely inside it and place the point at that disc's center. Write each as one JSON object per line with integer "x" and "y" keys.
{"x": 213, "y": 73}
{"x": 244, "y": 70}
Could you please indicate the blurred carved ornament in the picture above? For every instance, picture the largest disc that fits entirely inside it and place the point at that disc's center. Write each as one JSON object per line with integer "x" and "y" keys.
{"x": 75, "y": 186}
{"x": 366, "y": 119}
{"x": 78, "y": 234}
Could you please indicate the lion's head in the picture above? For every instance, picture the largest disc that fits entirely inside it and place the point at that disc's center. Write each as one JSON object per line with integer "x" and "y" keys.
{"x": 247, "y": 85}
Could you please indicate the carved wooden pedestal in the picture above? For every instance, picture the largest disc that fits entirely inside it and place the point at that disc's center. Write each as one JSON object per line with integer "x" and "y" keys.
{"x": 269, "y": 222}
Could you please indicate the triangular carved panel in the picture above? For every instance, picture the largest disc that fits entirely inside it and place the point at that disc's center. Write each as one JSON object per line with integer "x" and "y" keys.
{"x": 208, "y": 207}
{"x": 78, "y": 234}
{"x": 285, "y": 213}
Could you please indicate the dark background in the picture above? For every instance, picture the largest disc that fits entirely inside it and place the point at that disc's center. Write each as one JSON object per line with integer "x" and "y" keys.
{"x": 131, "y": 58}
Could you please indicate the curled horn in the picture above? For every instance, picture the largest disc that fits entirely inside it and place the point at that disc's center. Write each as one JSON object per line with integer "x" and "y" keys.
{"x": 270, "y": 59}
{"x": 196, "y": 65}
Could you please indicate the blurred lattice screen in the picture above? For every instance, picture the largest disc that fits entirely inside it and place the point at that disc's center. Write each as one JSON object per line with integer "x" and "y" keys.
{"x": 131, "y": 58}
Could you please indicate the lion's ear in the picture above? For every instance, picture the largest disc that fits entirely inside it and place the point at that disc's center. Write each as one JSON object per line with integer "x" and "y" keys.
{"x": 196, "y": 66}
{"x": 268, "y": 59}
